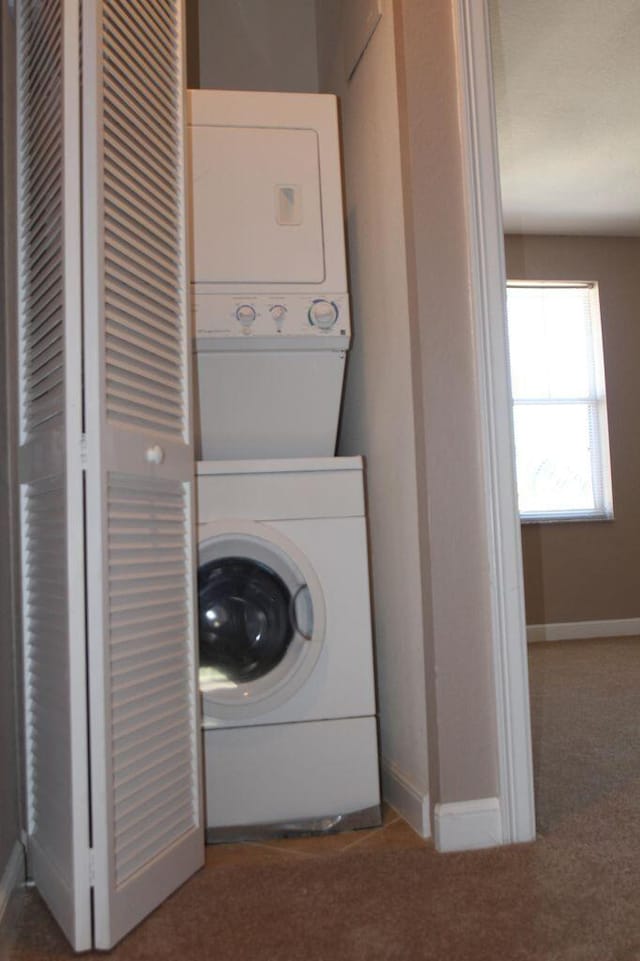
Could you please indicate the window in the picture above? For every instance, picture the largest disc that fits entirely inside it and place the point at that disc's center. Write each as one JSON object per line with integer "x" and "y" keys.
{"x": 559, "y": 402}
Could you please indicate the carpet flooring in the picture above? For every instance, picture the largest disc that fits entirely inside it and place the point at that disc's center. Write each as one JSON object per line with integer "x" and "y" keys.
{"x": 574, "y": 895}
{"x": 585, "y": 723}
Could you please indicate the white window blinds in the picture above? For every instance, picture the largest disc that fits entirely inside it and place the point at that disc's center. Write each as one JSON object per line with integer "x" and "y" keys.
{"x": 559, "y": 402}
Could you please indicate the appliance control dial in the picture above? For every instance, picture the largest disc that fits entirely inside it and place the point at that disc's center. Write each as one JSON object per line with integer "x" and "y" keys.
{"x": 279, "y": 312}
{"x": 323, "y": 314}
{"x": 245, "y": 314}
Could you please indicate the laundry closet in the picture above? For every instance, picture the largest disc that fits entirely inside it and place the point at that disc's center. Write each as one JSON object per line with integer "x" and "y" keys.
{"x": 348, "y": 50}
{"x": 106, "y": 449}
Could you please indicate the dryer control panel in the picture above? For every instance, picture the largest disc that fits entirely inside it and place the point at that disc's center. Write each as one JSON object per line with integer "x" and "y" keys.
{"x": 271, "y": 321}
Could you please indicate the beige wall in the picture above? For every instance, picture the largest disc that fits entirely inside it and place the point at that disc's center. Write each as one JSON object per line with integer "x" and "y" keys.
{"x": 256, "y": 45}
{"x": 378, "y": 412}
{"x": 461, "y": 694}
{"x": 10, "y": 775}
{"x": 589, "y": 571}
{"x": 412, "y": 398}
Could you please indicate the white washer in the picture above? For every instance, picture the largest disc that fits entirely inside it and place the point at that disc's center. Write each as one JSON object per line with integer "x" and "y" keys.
{"x": 270, "y": 306}
{"x": 286, "y": 669}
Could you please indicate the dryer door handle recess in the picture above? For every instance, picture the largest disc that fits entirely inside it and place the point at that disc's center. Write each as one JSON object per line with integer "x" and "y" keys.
{"x": 293, "y": 613}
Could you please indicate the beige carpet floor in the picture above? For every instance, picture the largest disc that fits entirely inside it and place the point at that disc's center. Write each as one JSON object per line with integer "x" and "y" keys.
{"x": 585, "y": 722}
{"x": 574, "y": 895}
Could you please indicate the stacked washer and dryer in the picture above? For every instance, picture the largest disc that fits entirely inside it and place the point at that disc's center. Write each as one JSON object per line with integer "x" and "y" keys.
{"x": 286, "y": 669}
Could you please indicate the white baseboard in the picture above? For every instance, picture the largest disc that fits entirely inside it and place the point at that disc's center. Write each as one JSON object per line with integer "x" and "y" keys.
{"x": 468, "y": 825}
{"x": 582, "y": 630}
{"x": 12, "y": 877}
{"x": 405, "y": 798}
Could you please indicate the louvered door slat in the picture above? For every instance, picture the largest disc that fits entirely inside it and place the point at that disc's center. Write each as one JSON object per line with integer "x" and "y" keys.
{"x": 150, "y": 108}
{"x": 123, "y": 114}
{"x": 48, "y": 142}
{"x": 139, "y": 266}
{"x": 133, "y": 212}
{"x": 47, "y": 343}
{"x": 116, "y": 128}
{"x": 164, "y": 706}
{"x": 164, "y": 834}
{"x": 47, "y": 267}
{"x": 46, "y": 327}
{"x": 136, "y": 789}
{"x": 157, "y": 29}
{"x": 129, "y": 334}
{"x": 155, "y": 266}
{"x": 39, "y": 70}
{"x": 49, "y": 139}
{"x": 150, "y": 317}
{"x": 159, "y": 808}
{"x": 122, "y": 639}
{"x": 144, "y": 375}
{"x": 132, "y": 257}
{"x": 142, "y": 732}
{"x": 151, "y": 61}
{"x": 153, "y": 398}
{"x": 128, "y": 308}
{"x": 120, "y": 169}
{"x": 133, "y": 526}
{"x": 157, "y": 47}
{"x": 162, "y": 640}
{"x": 153, "y": 68}
{"x": 46, "y": 234}
{"x": 151, "y": 81}
{"x": 135, "y": 828}
{"x": 163, "y": 656}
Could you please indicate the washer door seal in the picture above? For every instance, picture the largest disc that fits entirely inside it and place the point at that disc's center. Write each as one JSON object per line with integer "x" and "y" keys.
{"x": 261, "y": 619}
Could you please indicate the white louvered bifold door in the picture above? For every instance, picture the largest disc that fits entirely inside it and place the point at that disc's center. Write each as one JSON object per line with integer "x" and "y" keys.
{"x": 147, "y": 820}
{"x": 49, "y": 257}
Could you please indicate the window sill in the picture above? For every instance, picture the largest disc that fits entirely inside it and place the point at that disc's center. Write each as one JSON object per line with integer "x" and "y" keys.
{"x": 570, "y": 518}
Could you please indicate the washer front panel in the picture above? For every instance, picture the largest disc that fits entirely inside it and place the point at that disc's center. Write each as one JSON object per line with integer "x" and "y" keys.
{"x": 279, "y": 616}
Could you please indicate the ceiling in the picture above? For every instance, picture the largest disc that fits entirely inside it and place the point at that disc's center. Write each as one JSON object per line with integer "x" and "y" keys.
{"x": 567, "y": 85}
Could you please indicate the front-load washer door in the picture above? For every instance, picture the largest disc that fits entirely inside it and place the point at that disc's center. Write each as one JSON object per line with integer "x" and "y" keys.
{"x": 261, "y": 619}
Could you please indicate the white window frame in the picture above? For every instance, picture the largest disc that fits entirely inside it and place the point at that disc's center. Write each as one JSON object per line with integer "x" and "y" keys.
{"x": 597, "y": 403}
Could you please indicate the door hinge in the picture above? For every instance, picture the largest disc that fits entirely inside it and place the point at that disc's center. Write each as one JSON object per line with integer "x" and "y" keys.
{"x": 92, "y": 868}
{"x": 83, "y": 451}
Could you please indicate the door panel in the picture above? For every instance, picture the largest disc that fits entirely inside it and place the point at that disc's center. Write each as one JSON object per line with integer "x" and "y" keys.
{"x": 49, "y": 251}
{"x": 153, "y": 762}
{"x": 104, "y": 357}
{"x": 148, "y": 834}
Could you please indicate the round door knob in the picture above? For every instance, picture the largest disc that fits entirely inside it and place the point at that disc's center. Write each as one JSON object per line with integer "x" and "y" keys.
{"x": 323, "y": 314}
{"x": 246, "y": 315}
{"x": 154, "y": 454}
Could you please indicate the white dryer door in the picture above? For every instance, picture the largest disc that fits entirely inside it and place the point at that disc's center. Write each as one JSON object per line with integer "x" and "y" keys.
{"x": 257, "y": 215}
{"x": 261, "y": 619}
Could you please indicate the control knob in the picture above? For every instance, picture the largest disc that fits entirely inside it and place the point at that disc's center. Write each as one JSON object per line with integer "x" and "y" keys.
{"x": 278, "y": 312}
{"x": 323, "y": 314}
{"x": 245, "y": 315}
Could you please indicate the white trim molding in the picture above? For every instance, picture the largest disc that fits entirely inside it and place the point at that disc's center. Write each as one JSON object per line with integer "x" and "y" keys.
{"x": 12, "y": 877}
{"x": 405, "y": 798}
{"x": 468, "y": 825}
{"x": 583, "y": 630}
{"x": 488, "y": 301}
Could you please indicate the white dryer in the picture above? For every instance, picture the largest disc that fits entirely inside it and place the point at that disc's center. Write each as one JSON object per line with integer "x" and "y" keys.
{"x": 286, "y": 668}
{"x": 269, "y": 284}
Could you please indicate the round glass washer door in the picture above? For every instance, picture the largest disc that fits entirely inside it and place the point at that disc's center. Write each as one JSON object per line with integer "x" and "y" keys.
{"x": 261, "y": 619}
